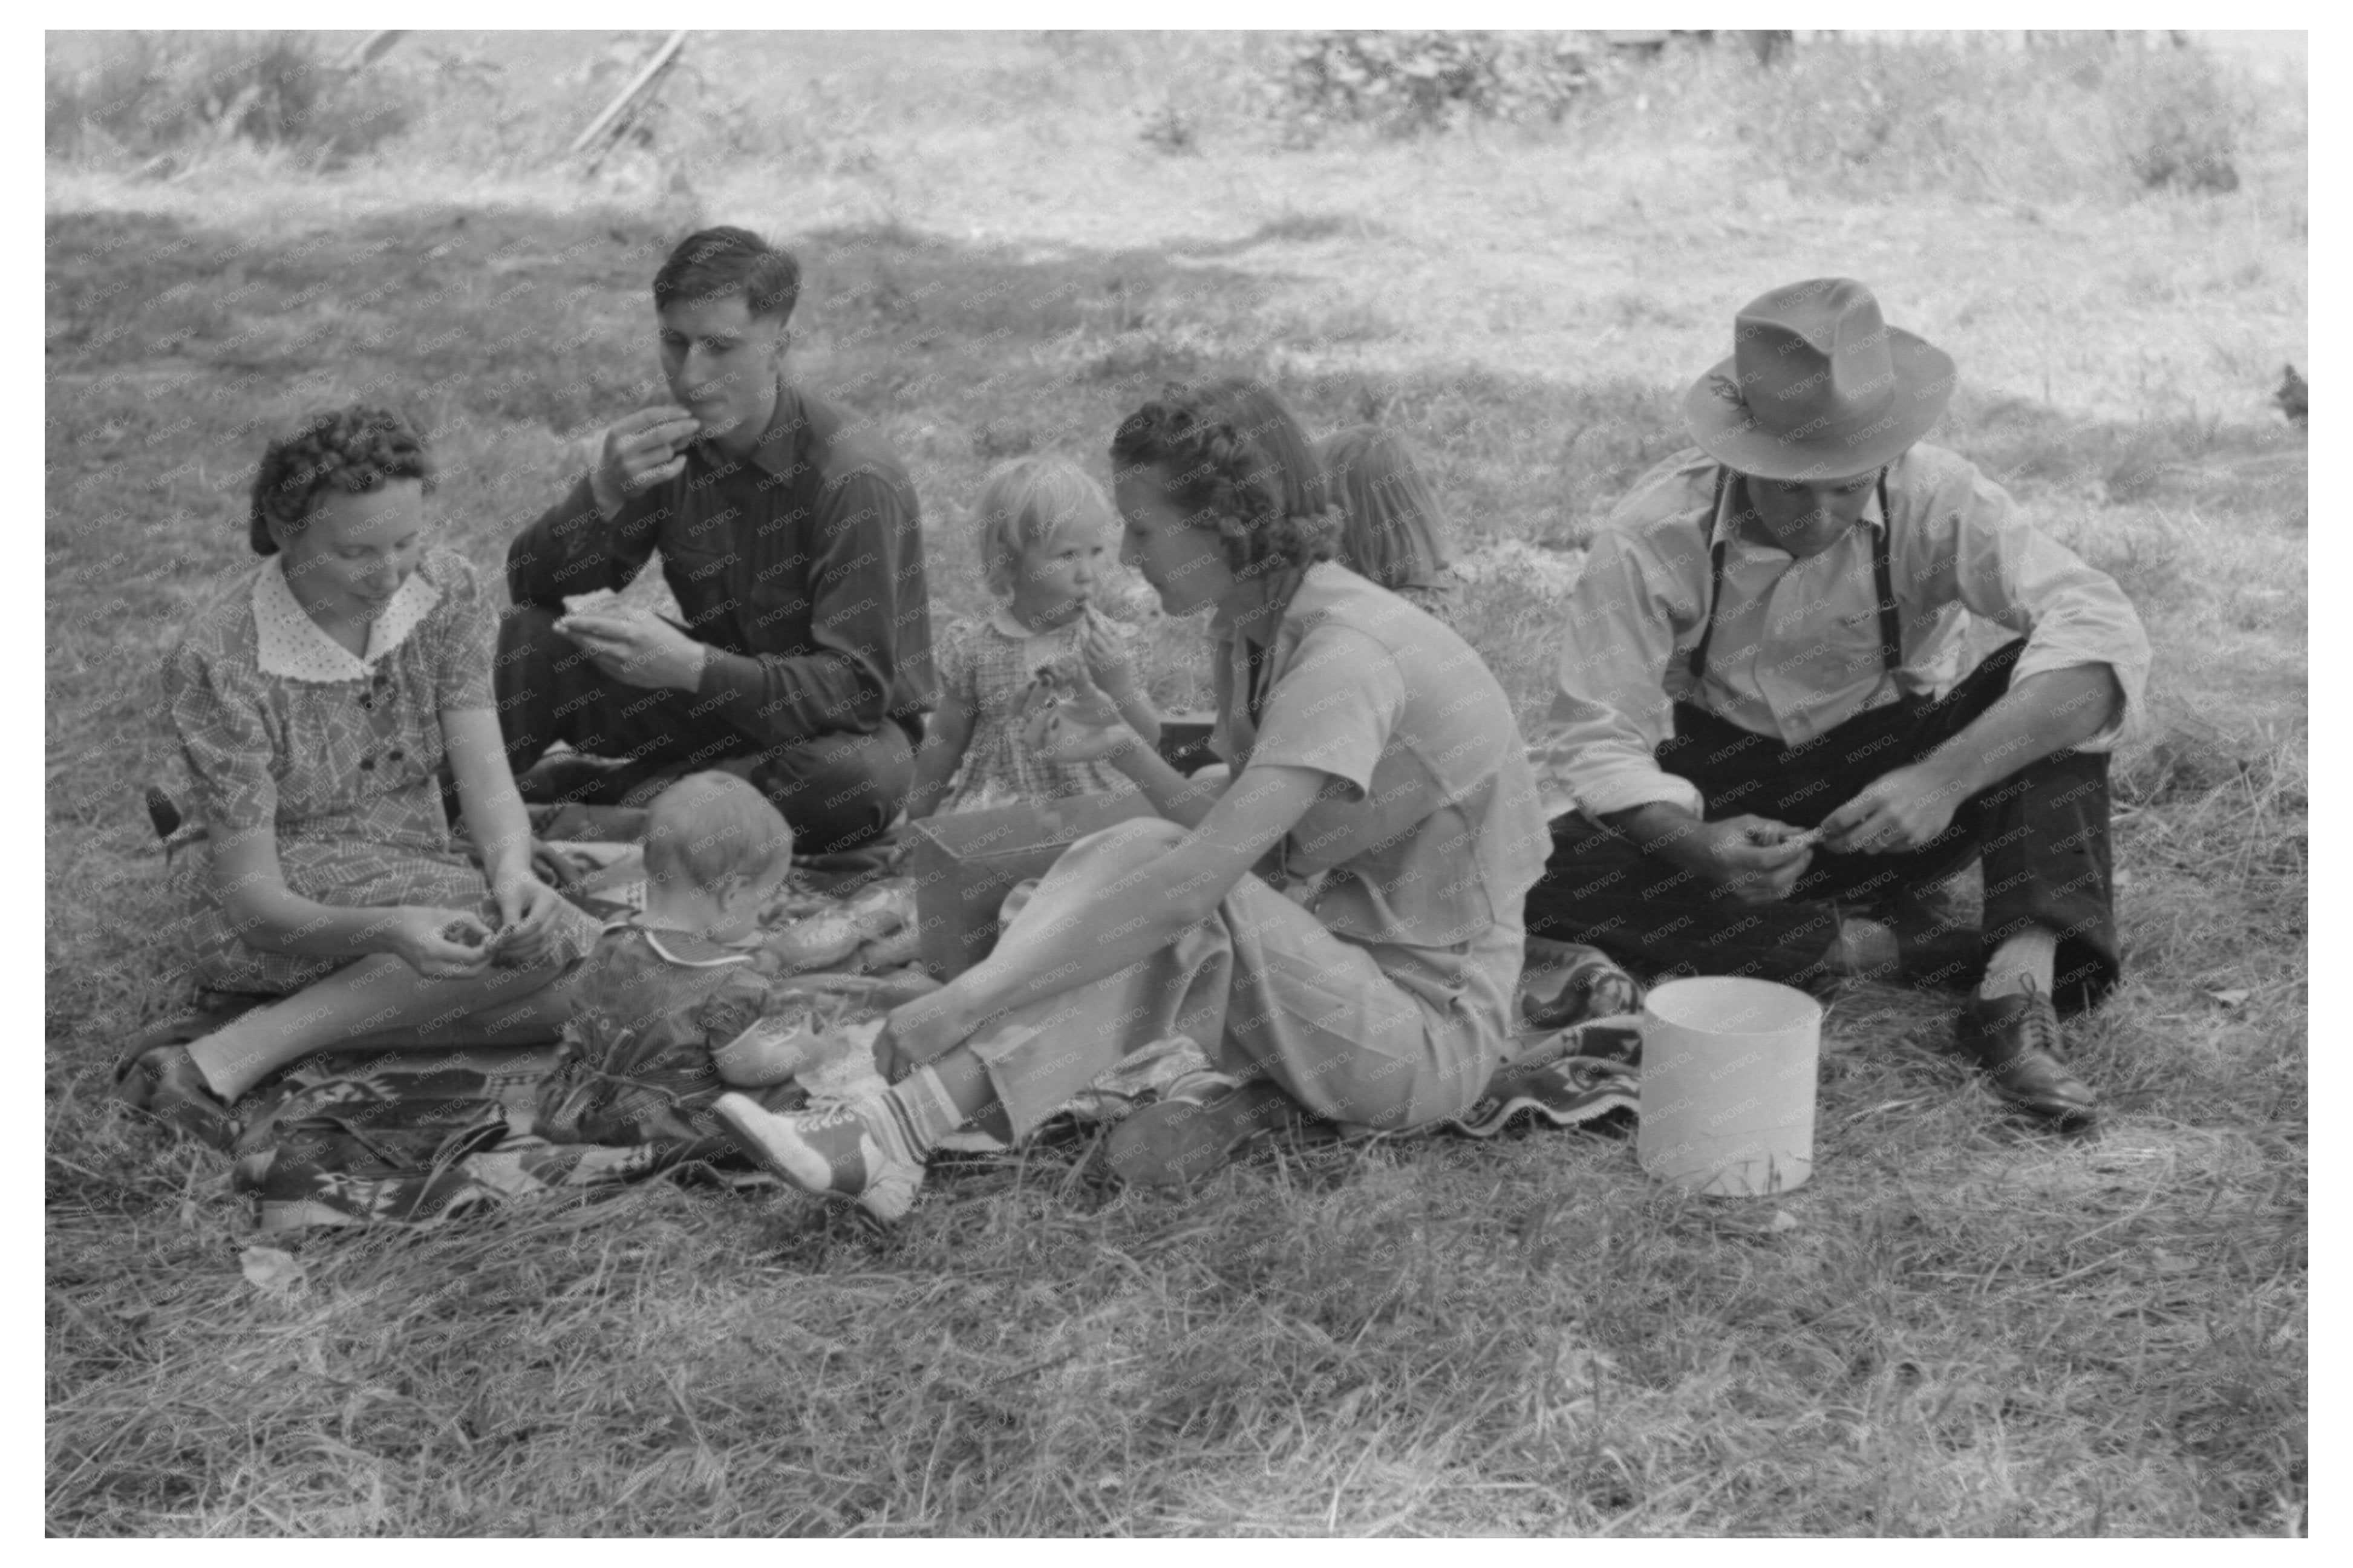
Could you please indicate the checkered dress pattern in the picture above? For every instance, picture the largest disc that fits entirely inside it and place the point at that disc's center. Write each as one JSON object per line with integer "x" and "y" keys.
{"x": 990, "y": 665}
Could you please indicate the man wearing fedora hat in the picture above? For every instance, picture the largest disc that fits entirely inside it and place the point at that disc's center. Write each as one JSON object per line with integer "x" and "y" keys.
{"x": 1765, "y": 754}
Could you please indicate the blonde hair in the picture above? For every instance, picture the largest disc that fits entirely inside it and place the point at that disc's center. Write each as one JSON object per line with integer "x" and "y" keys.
{"x": 1394, "y": 533}
{"x": 1021, "y": 502}
{"x": 717, "y": 833}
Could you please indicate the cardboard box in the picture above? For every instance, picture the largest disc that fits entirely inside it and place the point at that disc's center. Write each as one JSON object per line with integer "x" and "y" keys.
{"x": 1184, "y": 741}
{"x": 965, "y": 863}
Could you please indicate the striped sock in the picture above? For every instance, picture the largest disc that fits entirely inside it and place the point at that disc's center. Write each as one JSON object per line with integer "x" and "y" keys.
{"x": 916, "y": 1116}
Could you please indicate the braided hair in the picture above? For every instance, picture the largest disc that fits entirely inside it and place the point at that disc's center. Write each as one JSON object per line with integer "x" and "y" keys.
{"x": 353, "y": 449}
{"x": 1233, "y": 457}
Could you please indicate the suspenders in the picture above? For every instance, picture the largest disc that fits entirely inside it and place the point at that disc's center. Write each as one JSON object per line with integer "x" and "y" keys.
{"x": 1890, "y": 630}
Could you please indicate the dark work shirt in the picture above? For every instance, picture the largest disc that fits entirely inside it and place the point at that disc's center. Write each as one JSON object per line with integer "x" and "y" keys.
{"x": 801, "y": 568}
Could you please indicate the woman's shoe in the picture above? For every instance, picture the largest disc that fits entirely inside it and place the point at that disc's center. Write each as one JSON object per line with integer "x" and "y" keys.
{"x": 166, "y": 1083}
{"x": 835, "y": 1153}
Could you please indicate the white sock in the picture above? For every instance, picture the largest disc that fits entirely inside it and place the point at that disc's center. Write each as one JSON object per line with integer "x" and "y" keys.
{"x": 2030, "y": 955}
{"x": 1866, "y": 950}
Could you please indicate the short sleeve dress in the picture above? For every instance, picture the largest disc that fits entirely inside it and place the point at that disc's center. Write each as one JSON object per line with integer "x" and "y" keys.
{"x": 284, "y": 731}
{"x": 990, "y": 666}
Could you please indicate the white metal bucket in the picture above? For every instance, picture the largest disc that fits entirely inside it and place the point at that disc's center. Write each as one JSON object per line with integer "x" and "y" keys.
{"x": 1728, "y": 1071}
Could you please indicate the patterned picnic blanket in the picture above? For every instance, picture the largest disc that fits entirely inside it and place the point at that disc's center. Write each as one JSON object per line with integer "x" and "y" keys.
{"x": 421, "y": 1135}
{"x": 408, "y": 1138}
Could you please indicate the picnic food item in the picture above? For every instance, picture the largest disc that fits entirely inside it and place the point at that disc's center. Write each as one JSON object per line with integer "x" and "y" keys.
{"x": 595, "y": 603}
{"x": 883, "y": 991}
{"x": 818, "y": 942}
{"x": 901, "y": 947}
{"x": 1060, "y": 693}
{"x": 792, "y": 902}
{"x": 598, "y": 614}
{"x": 837, "y": 931}
{"x": 1038, "y": 732}
{"x": 1765, "y": 837}
{"x": 1047, "y": 688}
{"x": 883, "y": 908}
{"x": 1059, "y": 676}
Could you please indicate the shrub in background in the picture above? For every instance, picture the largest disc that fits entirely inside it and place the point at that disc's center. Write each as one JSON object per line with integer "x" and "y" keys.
{"x": 1171, "y": 129}
{"x": 1972, "y": 115}
{"x": 1977, "y": 117}
{"x": 2075, "y": 115}
{"x": 2179, "y": 122}
{"x": 142, "y": 93}
{"x": 1411, "y": 82}
{"x": 1915, "y": 116}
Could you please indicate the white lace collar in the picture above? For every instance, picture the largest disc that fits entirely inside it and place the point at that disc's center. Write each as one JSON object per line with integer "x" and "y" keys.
{"x": 687, "y": 945}
{"x": 289, "y": 643}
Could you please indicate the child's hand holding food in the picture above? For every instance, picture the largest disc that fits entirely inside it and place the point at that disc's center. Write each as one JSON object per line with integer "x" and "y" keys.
{"x": 1106, "y": 656}
{"x": 1068, "y": 718}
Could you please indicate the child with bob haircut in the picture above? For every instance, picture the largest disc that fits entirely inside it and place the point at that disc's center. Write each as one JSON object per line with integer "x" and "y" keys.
{"x": 1046, "y": 539}
{"x": 1394, "y": 533}
{"x": 669, "y": 999}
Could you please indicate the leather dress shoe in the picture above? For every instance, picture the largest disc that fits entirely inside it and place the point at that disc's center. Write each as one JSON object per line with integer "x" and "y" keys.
{"x": 2015, "y": 1039}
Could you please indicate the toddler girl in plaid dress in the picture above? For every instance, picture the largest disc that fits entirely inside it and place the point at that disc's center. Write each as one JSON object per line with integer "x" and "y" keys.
{"x": 1046, "y": 539}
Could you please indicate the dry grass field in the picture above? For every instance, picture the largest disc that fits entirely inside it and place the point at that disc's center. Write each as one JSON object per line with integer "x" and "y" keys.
{"x": 1961, "y": 1325}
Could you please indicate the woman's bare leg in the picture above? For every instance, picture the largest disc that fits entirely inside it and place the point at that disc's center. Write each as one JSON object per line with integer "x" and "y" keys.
{"x": 965, "y": 1078}
{"x": 380, "y": 1002}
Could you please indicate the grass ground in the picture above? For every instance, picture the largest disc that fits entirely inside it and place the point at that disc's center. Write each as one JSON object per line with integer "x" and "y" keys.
{"x": 1960, "y": 1326}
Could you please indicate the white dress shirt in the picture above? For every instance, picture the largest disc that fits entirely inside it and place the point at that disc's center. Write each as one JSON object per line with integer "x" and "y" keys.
{"x": 1794, "y": 652}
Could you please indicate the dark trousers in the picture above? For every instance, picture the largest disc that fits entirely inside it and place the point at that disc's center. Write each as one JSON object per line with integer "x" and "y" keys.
{"x": 2042, "y": 834}
{"x": 838, "y": 790}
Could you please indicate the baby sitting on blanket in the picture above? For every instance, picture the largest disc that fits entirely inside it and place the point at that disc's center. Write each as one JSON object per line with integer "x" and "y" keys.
{"x": 673, "y": 1006}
